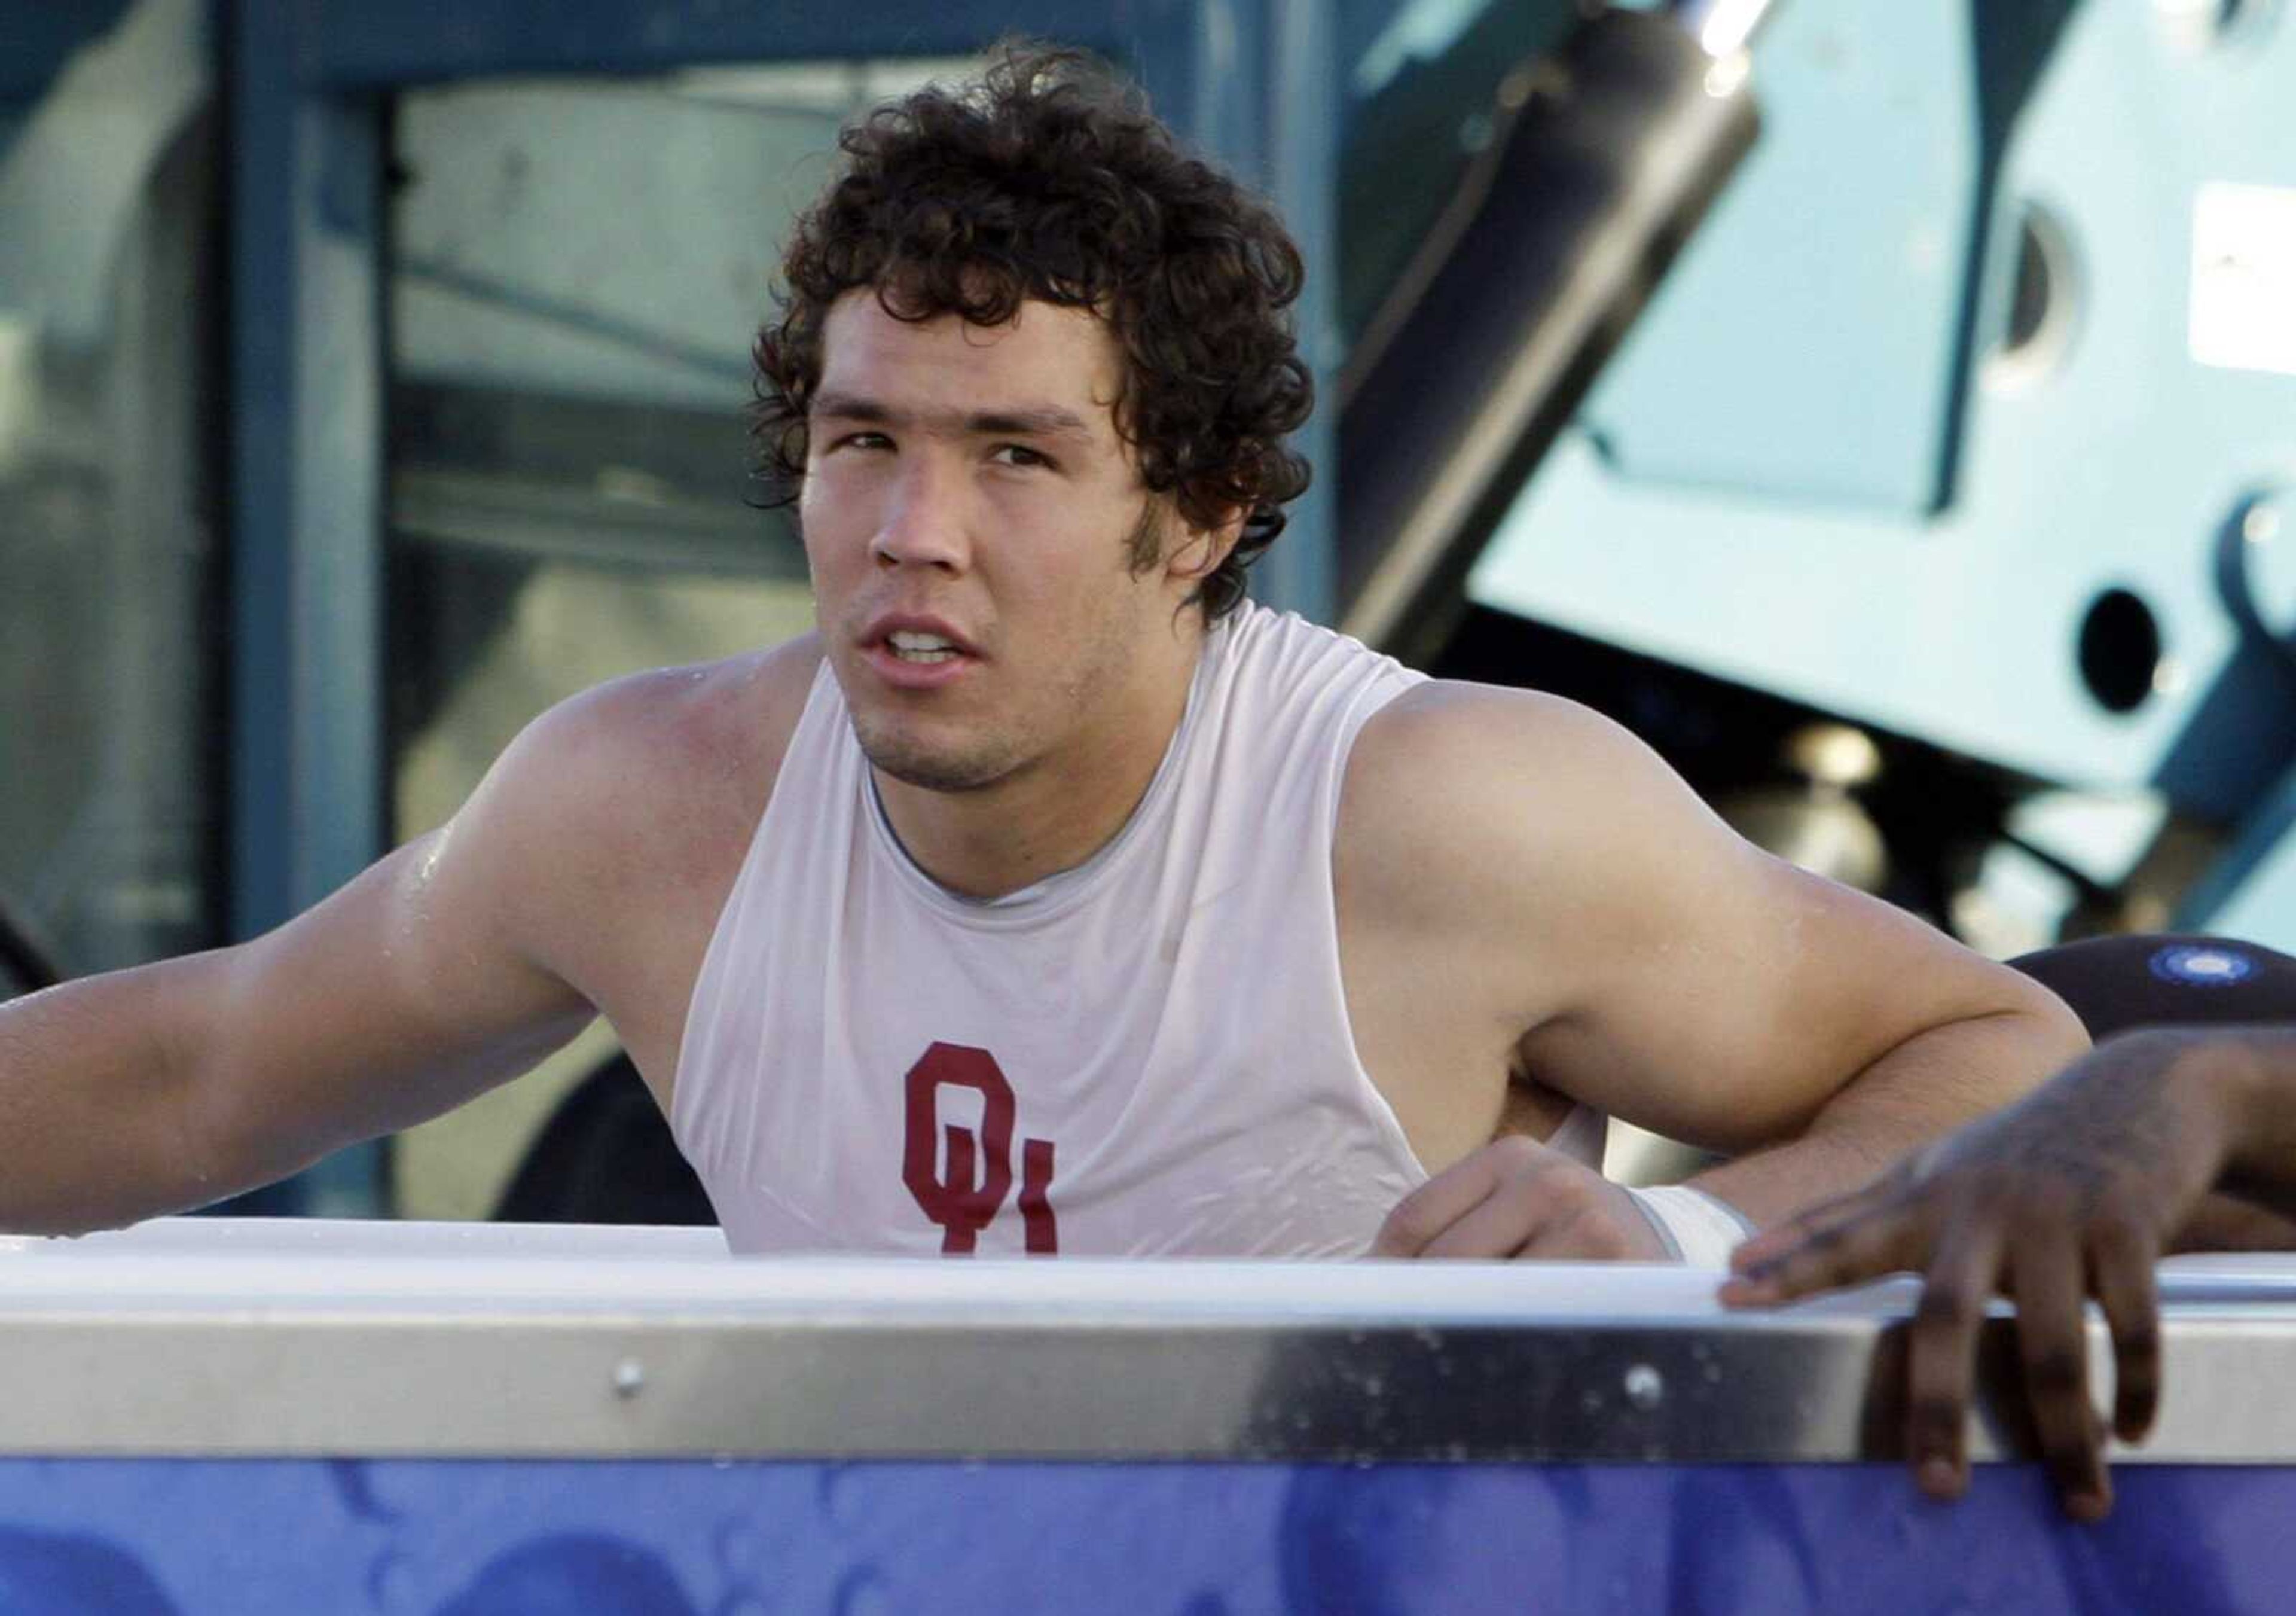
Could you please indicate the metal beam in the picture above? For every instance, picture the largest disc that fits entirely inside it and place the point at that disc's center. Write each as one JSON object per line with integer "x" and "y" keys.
{"x": 307, "y": 362}
{"x": 358, "y": 43}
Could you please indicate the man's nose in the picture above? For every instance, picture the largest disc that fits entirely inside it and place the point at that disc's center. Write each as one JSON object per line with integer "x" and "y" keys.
{"x": 924, "y": 524}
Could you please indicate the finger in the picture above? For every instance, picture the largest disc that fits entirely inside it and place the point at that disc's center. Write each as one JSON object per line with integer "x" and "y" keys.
{"x": 2121, "y": 1255}
{"x": 1554, "y": 1211}
{"x": 1450, "y": 1195}
{"x": 1766, "y": 1244}
{"x": 1941, "y": 1350}
{"x": 1881, "y": 1241}
{"x": 2052, "y": 1344}
{"x": 1496, "y": 1226}
{"x": 1585, "y": 1233}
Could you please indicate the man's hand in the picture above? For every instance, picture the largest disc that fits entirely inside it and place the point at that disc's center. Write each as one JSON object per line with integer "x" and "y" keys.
{"x": 2077, "y": 1189}
{"x": 1515, "y": 1197}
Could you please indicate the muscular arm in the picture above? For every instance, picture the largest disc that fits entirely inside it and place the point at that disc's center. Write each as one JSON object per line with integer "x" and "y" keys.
{"x": 152, "y": 1090}
{"x": 1576, "y": 899}
{"x": 449, "y": 966}
{"x": 1942, "y": 1075}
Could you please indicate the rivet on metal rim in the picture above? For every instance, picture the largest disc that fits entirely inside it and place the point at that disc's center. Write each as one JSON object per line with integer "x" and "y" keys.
{"x": 1645, "y": 1386}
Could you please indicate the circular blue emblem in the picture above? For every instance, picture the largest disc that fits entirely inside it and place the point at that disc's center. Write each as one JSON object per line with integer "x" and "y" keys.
{"x": 2201, "y": 965}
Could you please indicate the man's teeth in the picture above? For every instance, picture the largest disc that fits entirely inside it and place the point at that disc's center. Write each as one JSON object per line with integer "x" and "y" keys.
{"x": 920, "y": 647}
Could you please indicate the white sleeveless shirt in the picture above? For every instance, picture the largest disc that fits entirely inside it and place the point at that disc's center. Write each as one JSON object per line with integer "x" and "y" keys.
{"x": 1148, "y": 1055}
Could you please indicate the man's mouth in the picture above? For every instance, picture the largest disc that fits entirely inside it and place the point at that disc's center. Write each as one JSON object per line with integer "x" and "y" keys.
{"x": 912, "y": 646}
{"x": 917, "y": 652}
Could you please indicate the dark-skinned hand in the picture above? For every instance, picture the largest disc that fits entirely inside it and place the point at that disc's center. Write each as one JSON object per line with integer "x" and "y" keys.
{"x": 2073, "y": 1193}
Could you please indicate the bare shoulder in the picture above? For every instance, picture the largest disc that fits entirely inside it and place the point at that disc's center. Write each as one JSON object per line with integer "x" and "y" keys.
{"x": 1512, "y": 831}
{"x": 696, "y": 735}
{"x": 1478, "y": 889}
{"x": 1451, "y": 777}
{"x": 1480, "y": 729}
{"x": 619, "y": 798}
{"x": 696, "y": 709}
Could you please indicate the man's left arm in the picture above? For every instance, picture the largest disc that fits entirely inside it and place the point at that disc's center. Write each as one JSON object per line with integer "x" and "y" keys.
{"x": 1969, "y": 1062}
{"x": 1685, "y": 981}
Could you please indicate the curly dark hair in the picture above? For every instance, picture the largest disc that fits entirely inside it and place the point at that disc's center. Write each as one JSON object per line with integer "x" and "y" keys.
{"x": 1050, "y": 179}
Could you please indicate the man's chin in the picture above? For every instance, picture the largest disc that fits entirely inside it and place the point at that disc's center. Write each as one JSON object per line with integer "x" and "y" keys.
{"x": 931, "y": 769}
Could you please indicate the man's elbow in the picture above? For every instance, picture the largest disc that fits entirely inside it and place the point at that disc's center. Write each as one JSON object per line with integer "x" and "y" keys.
{"x": 1994, "y": 1053}
{"x": 2048, "y": 1031}
{"x": 1987, "y": 1052}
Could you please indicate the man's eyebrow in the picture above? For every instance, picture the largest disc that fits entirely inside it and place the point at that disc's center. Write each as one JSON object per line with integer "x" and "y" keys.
{"x": 1026, "y": 421}
{"x": 1040, "y": 421}
{"x": 846, "y": 407}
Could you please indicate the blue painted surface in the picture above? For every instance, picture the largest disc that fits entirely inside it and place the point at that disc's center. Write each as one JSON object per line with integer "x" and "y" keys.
{"x": 1806, "y": 241}
{"x": 2252, "y": 891}
{"x": 1807, "y": 574}
{"x": 125, "y": 1538}
{"x": 360, "y": 42}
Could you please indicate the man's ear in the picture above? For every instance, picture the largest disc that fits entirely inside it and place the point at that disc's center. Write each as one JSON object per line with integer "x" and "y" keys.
{"x": 1201, "y": 550}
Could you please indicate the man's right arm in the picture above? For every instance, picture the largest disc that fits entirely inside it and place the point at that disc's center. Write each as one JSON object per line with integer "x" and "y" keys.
{"x": 438, "y": 972}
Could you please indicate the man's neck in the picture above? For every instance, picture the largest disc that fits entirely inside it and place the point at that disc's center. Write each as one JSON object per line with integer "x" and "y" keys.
{"x": 1051, "y": 816}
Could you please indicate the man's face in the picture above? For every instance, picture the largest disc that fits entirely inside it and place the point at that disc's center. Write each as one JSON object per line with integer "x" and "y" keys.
{"x": 968, "y": 511}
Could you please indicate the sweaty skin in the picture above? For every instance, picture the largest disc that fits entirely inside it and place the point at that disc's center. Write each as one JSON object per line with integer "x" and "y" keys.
{"x": 1638, "y": 957}
{"x": 1526, "y": 899}
{"x": 2075, "y": 1191}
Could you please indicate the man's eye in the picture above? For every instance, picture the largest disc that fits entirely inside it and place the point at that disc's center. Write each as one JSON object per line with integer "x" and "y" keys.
{"x": 861, "y": 441}
{"x": 1018, "y": 454}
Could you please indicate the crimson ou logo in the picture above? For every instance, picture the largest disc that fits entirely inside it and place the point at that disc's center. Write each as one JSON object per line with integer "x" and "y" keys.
{"x": 961, "y": 1175}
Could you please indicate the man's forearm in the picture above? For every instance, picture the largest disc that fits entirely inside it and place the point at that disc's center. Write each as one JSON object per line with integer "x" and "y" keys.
{"x": 1923, "y": 1088}
{"x": 95, "y": 1117}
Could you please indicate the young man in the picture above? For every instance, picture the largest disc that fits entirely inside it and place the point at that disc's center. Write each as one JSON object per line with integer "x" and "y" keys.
{"x": 1048, "y": 899}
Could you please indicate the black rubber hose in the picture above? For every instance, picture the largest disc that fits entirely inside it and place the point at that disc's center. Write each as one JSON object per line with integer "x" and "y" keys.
{"x": 1604, "y": 160}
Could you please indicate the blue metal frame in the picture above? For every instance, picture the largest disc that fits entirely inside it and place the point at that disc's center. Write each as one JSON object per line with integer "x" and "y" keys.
{"x": 2251, "y": 890}
{"x": 307, "y": 494}
{"x": 309, "y": 82}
